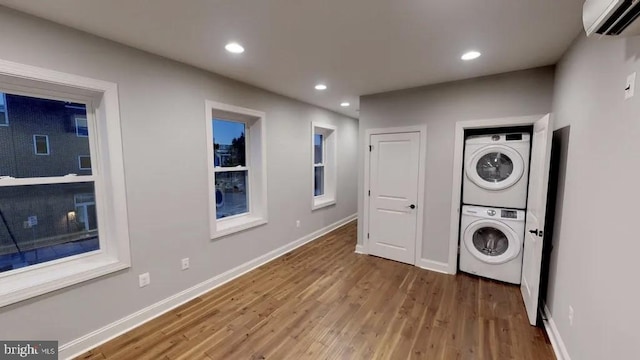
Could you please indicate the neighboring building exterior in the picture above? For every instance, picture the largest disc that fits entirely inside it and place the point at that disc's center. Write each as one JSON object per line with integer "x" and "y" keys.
{"x": 43, "y": 138}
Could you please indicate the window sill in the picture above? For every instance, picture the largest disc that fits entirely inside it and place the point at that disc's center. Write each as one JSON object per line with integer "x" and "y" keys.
{"x": 227, "y": 227}
{"x": 319, "y": 203}
{"x": 49, "y": 277}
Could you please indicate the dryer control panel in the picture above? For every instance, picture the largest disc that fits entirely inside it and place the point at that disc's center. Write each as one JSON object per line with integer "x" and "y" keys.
{"x": 509, "y": 214}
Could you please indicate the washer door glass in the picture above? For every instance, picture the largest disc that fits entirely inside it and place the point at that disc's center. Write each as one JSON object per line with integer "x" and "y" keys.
{"x": 494, "y": 167}
{"x": 490, "y": 241}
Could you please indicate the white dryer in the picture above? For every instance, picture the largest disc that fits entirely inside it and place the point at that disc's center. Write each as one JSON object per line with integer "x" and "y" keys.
{"x": 491, "y": 242}
{"x": 496, "y": 170}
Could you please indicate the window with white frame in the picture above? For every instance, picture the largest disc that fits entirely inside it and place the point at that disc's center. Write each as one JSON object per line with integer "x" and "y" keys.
{"x": 4, "y": 115}
{"x": 82, "y": 128}
{"x": 51, "y": 237}
{"x": 84, "y": 162}
{"x": 231, "y": 169}
{"x": 41, "y": 144}
{"x": 237, "y": 168}
{"x": 324, "y": 166}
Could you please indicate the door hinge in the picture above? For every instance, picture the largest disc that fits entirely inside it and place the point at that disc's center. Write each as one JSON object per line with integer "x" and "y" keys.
{"x": 367, "y": 235}
{"x": 370, "y": 148}
{"x": 369, "y": 192}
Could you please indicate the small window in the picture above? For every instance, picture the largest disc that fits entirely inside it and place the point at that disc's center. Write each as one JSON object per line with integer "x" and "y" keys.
{"x": 41, "y": 144}
{"x": 84, "y": 162}
{"x": 324, "y": 151}
{"x": 82, "y": 129}
{"x": 237, "y": 165}
{"x": 4, "y": 116}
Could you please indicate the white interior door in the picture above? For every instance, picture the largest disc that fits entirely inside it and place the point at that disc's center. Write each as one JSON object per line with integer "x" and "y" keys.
{"x": 393, "y": 180}
{"x": 536, "y": 209}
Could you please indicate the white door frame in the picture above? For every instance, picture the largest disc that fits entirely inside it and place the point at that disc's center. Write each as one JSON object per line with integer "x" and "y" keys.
{"x": 458, "y": 159}
{"x": 422, "y": 130}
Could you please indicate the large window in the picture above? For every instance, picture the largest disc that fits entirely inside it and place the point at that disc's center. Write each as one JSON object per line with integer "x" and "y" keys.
{"x": 58, "y": 227}
{"x": 237, "y": 168}
{"x": 324, "y": 169}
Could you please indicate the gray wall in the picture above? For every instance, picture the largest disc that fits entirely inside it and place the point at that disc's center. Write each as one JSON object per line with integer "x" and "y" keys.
{"x": 162, "y": 111}
{"x": 519, "y": 93}
{"x": 593, "y": 269}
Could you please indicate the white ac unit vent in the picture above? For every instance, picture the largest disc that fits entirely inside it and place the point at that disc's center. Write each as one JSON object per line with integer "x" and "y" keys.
{"x": 611, "y": 17}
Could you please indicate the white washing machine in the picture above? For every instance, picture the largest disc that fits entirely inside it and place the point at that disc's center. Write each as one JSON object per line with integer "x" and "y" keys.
{"x": 491, "y": 242}
{"x": 496, "y": 170}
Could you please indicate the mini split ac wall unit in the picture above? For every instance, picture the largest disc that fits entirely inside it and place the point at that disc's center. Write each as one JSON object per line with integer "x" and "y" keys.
{"x": 611, "y": 17}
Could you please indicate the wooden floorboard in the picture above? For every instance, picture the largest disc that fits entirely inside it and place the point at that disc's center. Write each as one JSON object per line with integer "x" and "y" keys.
{"x": 323, "y": 301}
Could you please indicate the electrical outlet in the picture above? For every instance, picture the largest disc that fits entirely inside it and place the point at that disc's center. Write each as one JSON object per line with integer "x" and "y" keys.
{"x": 297, "y": 223}
{"x": 185, "y": 263}
{"x": 144, "y": 279}
{"x": 570, "y": 315}
{"x": 630, "y": 87}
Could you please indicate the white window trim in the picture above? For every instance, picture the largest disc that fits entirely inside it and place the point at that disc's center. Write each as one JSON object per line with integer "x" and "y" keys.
{"x": 76, "y": 118}
{"x": 329, "y": 162}
{"x": 256, "y": 157}
{"x": 80, "y": 162}
{"x": 6, "y": 111}
{"x": 35, "y": 146}
{"x": 108, "y": 178}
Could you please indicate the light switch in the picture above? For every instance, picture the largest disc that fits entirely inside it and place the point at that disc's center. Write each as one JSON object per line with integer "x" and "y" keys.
{"x": 629, "y": 89}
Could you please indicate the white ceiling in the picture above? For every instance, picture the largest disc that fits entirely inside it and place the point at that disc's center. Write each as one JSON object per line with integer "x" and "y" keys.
{"x": 356, "y": 47}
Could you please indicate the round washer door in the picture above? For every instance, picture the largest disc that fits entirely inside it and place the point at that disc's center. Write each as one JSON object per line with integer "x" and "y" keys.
{"x": 491, "y": 241}
{"x": 495, "y": 167}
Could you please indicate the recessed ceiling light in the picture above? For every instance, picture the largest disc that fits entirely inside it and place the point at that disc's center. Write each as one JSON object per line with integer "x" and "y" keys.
{"x": 234, "y": 47}
{"x": 470, "y": 55}
{"x": 321, "y": 87}
{"x": 345, "y": 104}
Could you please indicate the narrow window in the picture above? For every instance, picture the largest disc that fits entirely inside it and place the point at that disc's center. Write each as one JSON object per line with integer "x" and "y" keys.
{"x": 231, "y": 170}
{"x": 82, "y": 129}
{"x": 41, "y": 144}
{"x": 4, "y": 115}
{"x": 236, "y": 142}
{"x": 324, "y": 164}
{"x": 318, "y": 165}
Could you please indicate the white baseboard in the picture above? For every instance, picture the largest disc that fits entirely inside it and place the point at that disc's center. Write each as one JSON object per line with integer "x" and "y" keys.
{"x": 554, "y": 336}
{"x": 360, "y": 249}
{"x": 119, "y": 327}
{"x": 432, "y": 265}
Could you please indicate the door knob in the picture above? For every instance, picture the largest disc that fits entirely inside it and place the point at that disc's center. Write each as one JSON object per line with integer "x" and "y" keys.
{"x": 412, "y": 206}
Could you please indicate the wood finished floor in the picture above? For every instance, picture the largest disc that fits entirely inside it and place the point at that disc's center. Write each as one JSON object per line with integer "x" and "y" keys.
{"x": 323, "y": 301}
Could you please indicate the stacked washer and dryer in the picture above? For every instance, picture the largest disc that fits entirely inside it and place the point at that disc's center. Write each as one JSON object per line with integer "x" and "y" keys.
{"x": 494, "y": 197}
